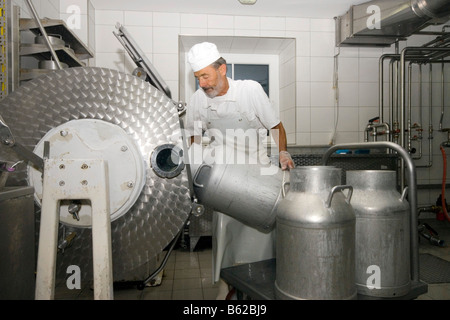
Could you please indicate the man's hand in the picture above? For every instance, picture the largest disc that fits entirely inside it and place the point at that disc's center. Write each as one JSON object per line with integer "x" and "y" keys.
{"x": 286, "y": 161}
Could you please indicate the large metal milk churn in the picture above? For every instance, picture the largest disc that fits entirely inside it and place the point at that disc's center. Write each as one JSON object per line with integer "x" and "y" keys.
{"x": 315, "y": 237}
{"x": 382, "y": 234}
{"x": 248, "y": 193}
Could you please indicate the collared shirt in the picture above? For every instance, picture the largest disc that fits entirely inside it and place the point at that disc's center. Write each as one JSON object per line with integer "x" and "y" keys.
{"x": 245, "y": 97}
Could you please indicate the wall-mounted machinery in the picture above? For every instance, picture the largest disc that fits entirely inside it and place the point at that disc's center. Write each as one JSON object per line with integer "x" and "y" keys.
{"x": 383, "y": 22}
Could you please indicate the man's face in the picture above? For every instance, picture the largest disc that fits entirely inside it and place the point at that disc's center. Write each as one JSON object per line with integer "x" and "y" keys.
{"x": 213, "y": 81}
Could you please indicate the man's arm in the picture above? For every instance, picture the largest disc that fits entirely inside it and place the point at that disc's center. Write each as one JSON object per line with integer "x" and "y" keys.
{"x": 279, "y": 135}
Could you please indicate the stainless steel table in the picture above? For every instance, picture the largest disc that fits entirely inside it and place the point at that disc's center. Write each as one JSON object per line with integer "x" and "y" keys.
{"x": 256, "y": 280}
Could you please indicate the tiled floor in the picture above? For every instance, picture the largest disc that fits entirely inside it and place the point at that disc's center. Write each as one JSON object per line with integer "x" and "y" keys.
{"x": 187, "y": 275}
{"x": 437, "y": 291}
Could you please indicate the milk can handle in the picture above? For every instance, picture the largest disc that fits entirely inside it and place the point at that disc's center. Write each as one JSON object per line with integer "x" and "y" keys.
{"x": 197, "y": 173}
{"x": 283, "y": 184}
{"x": 336, "y": 189}
{"x": 404, "y": 194}
{"x": 283, "y": 190}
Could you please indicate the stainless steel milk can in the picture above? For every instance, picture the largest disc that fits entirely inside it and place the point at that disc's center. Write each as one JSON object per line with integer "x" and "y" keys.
{"x": 315, "y": 253}
{"x": 382, "y": 234}
{"x": 248, "y": 193}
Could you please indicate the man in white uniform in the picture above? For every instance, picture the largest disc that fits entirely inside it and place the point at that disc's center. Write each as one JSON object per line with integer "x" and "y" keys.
{"x": 220, "y": 105}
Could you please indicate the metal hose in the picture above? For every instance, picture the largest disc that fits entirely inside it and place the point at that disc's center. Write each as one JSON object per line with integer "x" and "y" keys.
{"x": 142, "y": 285}
{"x": 444, "y": 175}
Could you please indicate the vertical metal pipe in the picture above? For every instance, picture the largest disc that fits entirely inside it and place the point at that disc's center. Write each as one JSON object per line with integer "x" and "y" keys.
{"x": 402, "y": 114}
{"x": 389, "y": 126}
{"x": 396, "y": 88}
{"x": 44, "y": 33}
{"x": 420, "y": 113}
{"x": 430, "y": 126}
{"x": 442, "y": 97}
{"x": 420, "y": 95}
{"x": 393, "y": 104}
{"x": 381, "y": 88}
{"x": 409, "y": 106}
{"x": 414, "y": 239}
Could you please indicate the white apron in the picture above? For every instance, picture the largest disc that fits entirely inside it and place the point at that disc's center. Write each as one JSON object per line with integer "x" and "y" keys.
{"x": 234, "y": 242}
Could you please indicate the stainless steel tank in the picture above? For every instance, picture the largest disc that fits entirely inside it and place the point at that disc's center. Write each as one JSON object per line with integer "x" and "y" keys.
{"x": 84, "y": 112}
{"x": 315, "y": 237}
{"x": 382, "y": 234}
{"x": 248, "y": 193}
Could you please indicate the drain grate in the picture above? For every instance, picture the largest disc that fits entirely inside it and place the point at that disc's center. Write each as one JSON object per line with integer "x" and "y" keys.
{"x": 433, "y": 269}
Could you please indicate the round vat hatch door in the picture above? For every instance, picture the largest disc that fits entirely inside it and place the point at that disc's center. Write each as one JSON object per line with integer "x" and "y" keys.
{"x": 95, "y": 139}
{"x": 167, "y": 160}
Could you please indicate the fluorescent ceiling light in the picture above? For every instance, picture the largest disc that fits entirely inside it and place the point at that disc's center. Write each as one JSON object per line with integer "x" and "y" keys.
{"x": 247, "y": 1}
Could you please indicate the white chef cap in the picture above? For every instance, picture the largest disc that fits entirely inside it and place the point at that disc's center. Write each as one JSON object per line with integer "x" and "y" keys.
{"x": 202, "y": 55}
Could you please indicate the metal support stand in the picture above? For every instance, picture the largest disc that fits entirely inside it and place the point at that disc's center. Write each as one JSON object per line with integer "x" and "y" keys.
{"x": 75, "y": 179}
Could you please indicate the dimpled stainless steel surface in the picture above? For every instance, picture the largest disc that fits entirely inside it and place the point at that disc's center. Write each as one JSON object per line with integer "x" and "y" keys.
{"x": 148, "y": 116}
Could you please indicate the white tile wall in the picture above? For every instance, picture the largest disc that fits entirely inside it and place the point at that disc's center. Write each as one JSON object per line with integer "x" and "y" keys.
{"x": 298, "y": 24}
{"x": 194, "y": 21}
{"x": 162, "y": 19}
{"x": 368, "y": 94}
{"x": 163, "y": 49}
{"x": 303, "y": 42}
{"x": 322, "y": 44}
{"x": 105, "y": 41}
{"x": 348, "y": 119}
{"x": 348, "y": 95}
{"x": 247, "y": 23}
{"x": 110, "y": 60}
{"x": 322, "y": 94}
{"x": 322, "y": 118}
{"x": 368, "y": 69}
{"x": 303, "y": 95}
{"x": 140, "y": 33}
{"x": 273, "y": 23}
{"x": 287, "y": 70}
{"x": 137, "y": 18}
{"x": 220, "y": 22}
{"x": 307, "y": 93}
{"x": 307, "y": 96}
{"x": 348, "y": 69}
{"x": 303, "y": 72}
{"x": 322, "y": 69}
{"x": 108, "y": 17}
{"x": 44, "y": 8}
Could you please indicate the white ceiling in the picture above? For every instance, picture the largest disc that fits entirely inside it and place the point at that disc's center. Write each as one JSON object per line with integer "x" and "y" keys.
{"x": 273, "y": 8}
{"x": 325, "y": 9}
{"x": 239, "y": 45}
